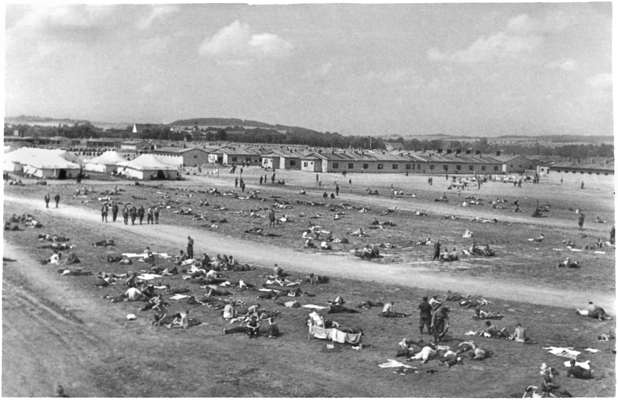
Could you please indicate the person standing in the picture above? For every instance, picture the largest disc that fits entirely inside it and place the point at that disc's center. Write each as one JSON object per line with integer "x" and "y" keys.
{"x": 235, "y": 182}
{"x": 261, "y": 179}
{"x": 156, "y": 214}
{"x": 57, "y": 199}
{"x": 140, "y": 214}
{"x": 271, "y": 218}
{"x": 149, "y": 216}
{"x": 125, "y": 214}
{"x": 114, "y": 211}
{"x": 104, "y": 212}
{"x": 46, "y": 198}
{"x": 580, "y": 220}
{"x": 436, "y": 251}
{"x": 439, "y": 324}
{"x": 612, "y": 235}
{"x": 133, "y": 214}
{"x": 425, "y": 315}
{"x": 272, "y": 178}
{"x": 337, "y": 189}
{"x": 582, "y": 185}
{"x": 189, "y": 247}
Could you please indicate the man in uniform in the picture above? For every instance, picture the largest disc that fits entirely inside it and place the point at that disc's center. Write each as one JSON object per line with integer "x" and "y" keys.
{"x": 190, "y": 247}
{"x": 425, "y": 315}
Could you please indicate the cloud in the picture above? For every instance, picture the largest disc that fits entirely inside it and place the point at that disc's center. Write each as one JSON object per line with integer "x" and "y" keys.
{"x": 156, "y": 13}
{"x": 65, "y": 19}
{"x": 521, "y": 35}
{"x": 600, "y": 81}
{"x": 485, "y": 49}
{"x": 389, "y": 76}
{"x": 564, "y": 65}
{"x": 237, "y": 42}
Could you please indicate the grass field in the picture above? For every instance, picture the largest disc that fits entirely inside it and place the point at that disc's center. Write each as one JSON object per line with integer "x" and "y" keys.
{"x": 109, "y": 356}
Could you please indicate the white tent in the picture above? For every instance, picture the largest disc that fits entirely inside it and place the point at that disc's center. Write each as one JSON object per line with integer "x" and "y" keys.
{"x": 149, "y": 166}
{"x": 41, "y": 163}
{"x": 106, "y": 162}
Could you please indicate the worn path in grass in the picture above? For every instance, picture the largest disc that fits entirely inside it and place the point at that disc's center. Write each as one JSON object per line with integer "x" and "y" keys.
{"x": 344, "y": 266}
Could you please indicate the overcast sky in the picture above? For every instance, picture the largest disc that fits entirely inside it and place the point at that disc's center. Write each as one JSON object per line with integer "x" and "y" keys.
{"x": 476, "y": 69}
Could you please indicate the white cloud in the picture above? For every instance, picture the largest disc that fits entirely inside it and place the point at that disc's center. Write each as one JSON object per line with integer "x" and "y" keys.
{"x": 600, "y": 81}
{"x": 564, "y": 65}
{"x": 58, "y": 19}
{"x": 389, "y": 76}
{"x": 484, "y": 49}
{"x": 236, "y": 41}
{"x": 156, "y": 13}
{"x": 324, "y": 69}
{"x": 522, "y": 35}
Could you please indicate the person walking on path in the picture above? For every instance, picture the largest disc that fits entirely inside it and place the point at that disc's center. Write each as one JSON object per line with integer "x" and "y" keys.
{"x": 57, "y": 199}
{"x": 156, "y": 215}
{"x": 271, "y": 218}
{"x": 140, "y": 214}
{"x": 133, "y": 214}
{"x": 125, "y": 214}
{"x": 46, "y": 198}
{"x": 436, "y": 251}
{"x": 580, "y": 220}
{"x": 114, "y": 211}
{"x": 104, "y": 212}
{"x": 189, "y": 247}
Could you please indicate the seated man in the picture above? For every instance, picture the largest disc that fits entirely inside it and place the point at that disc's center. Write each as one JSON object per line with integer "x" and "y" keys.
{"x": 181, "y": 257}
{"x": 491, "y": 331}
{"x": 251, "y": 328}
{"x": 387, "y": 311}
{"x": 273, "y": 329}
{"x": 229, "y": 311}
{"x": 53, "y": 259}
{"x": 133, "y": 294}
{"x": 519, "y": 335}
{"x": 578, "y": 372}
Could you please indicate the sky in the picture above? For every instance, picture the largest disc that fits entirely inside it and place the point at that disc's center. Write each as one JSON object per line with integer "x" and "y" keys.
{"x": 481, "y": 69}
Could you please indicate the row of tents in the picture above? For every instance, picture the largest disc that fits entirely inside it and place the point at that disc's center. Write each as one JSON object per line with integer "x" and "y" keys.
{"x": 60, "y": 164}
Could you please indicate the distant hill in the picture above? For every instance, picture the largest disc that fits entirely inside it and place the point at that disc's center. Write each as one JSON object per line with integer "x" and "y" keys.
{"x": 42, "y": 121}
{"x": 238, "y": 123}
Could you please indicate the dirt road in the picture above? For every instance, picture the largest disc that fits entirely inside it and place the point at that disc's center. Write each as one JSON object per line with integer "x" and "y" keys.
{"x": 65, "y": 348}
{"x": 344, "y": 266}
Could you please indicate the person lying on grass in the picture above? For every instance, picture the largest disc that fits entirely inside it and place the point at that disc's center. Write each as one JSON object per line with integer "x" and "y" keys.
{"x": 387, "y": 311}
{"x": 482, "y": 314}
{"x": 578, "y": 372}
{"x": 593, "y": 311}
{"x": 251, "y": 328}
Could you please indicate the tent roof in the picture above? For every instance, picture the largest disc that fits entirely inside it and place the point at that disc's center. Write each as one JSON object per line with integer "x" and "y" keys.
{"x": 149, "y": 161}
{"x": 42, "y": 158}
{"x": 109, "y": 157}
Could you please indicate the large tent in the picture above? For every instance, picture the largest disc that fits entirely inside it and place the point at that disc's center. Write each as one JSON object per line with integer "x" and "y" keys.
{"x": 42, "y": 163}
{"x": 149, "y": 166}
{"x": 107, "y": 162}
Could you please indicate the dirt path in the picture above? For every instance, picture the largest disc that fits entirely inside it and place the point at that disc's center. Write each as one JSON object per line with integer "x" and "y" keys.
{"x": 45, "y": 344}
{"x": 344, "y": 266}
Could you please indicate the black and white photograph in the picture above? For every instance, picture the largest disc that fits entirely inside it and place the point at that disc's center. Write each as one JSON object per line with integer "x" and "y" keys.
{"x": 352, "y": 200}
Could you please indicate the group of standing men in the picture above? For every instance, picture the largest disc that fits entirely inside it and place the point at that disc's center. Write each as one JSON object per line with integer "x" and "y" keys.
{"x": 47, "y": 198}
{"x": 437, "y": 322}
{"x": 133, "y": 213}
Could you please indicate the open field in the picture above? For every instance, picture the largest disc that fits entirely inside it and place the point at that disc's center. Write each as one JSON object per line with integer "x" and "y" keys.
{"x": 92, "y": 350}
